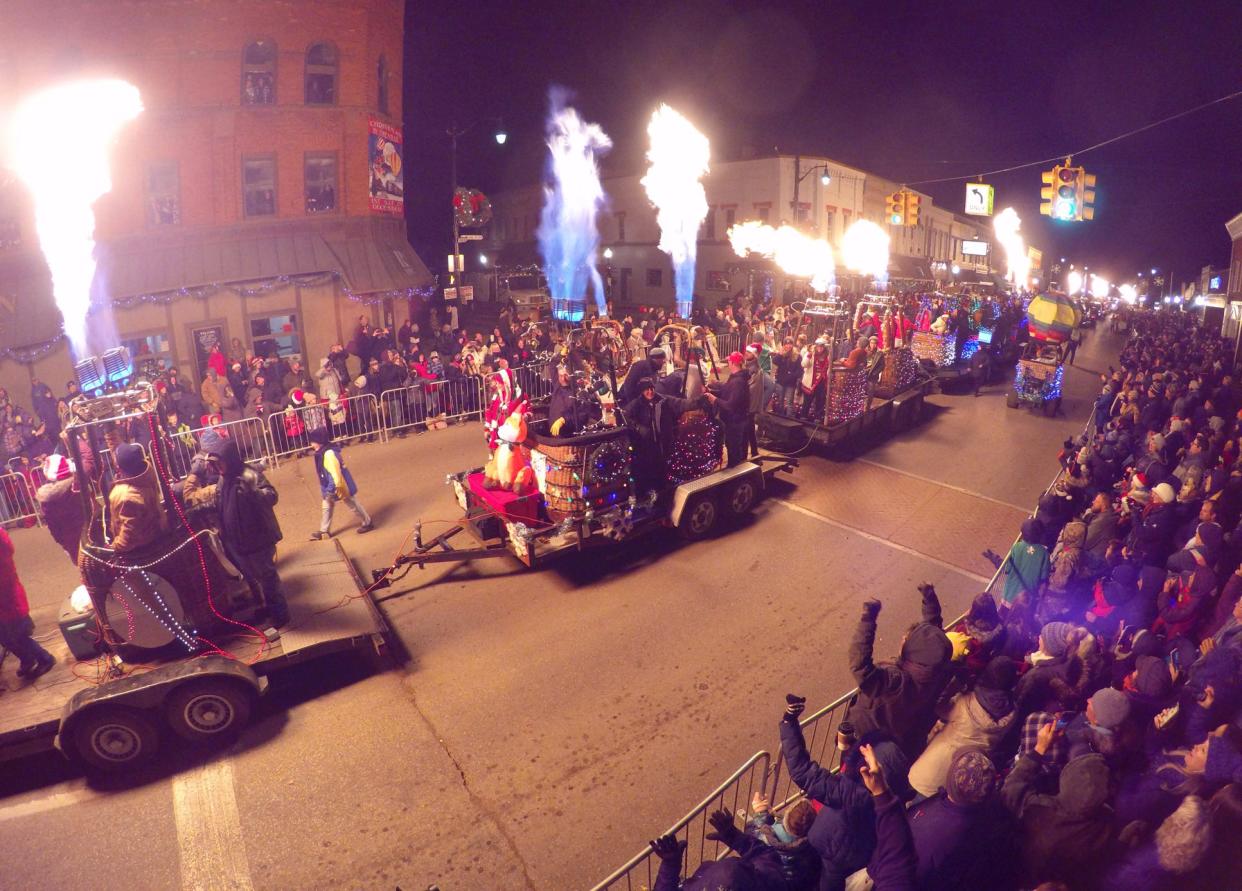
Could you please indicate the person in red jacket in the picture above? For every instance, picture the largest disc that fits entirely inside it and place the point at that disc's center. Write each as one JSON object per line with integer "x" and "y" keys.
{"x": 15, "y": 624}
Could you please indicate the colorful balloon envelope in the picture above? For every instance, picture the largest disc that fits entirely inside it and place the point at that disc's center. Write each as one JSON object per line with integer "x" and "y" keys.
{"x": 1052, "y": 317}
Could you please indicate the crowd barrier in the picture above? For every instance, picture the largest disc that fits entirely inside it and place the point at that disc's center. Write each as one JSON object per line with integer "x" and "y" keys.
{"x": 820, "y": 731}
{"x": 406, "y": 407}
{"x": 17, "y": 501}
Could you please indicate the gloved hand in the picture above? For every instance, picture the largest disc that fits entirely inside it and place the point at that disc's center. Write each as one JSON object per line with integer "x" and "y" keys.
{"x": 794, "y": 707}
{"x": 871, "y": 609}
{"x": 722, "y": 826}
{"x": 668, "y": 847}
{"x": 927, "y": 589}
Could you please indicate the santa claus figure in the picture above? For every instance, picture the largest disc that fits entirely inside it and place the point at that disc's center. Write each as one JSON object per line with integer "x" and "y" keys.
{"x": 506, "y": 397}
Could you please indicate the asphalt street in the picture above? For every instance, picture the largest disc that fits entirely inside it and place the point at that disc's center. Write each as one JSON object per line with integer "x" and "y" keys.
{"x": 541, "y": 725}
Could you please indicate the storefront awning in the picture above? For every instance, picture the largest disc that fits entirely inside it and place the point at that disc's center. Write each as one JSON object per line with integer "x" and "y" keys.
{"x": 910, "y": 268}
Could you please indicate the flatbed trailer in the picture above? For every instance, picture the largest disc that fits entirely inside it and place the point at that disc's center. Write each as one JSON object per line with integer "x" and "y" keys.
{"x": 883, "y": 414}
{"x": 114, "y": 723}
{"x": 488, "y": 529}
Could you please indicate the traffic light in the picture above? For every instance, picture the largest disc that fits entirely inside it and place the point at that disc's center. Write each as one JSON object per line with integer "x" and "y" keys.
{"x": 1086, "y": 195}
{"x": 1048, "y": 193}
{"x": 896, "y": 203}
{"x": 1065, "y": 205}
{"x": 912, "y": 209}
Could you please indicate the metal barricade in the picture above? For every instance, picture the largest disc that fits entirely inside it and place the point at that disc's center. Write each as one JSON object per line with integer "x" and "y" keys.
{"x": 406, "y": 407}
{"x": 732, "y": 795}
{"x": 348, "y": 418}
{"x": 534, "y": 380}
{"x": 729, "y": 342}
{"x": 250, "y": 434}
{"x": 17, "y": 501}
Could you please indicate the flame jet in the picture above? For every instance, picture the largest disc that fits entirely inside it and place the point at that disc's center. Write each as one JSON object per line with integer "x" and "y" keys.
{"x": 66, "y": 174}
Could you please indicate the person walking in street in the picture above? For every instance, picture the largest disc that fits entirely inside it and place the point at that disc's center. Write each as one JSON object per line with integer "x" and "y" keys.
{"x": 981, "y": 367}
{"x": 335, "y": 484}
{"x": 15, "y": 624}
{"x": 245, "y": 502}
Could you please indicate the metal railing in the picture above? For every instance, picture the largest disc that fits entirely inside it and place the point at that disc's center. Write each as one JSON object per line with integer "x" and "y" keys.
{"x": 350, "y": 417}
{"x": 733, "y": 795}
{"x": 17, "y": 501}
{"x": 416, "y": 404}
{"x": 250, "y": 434}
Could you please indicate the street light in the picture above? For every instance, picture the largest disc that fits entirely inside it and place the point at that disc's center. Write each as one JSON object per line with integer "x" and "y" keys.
{"x": 453, "y": 132}
{"x": 482, "y": 259}
{"x": 607, "y": 253}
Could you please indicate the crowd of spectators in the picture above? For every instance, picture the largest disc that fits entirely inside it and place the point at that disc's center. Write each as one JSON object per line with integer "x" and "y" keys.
{"x": 1080, "y": 730}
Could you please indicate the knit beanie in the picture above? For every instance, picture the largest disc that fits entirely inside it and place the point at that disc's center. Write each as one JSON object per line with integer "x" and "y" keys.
{"x": 1055, "y": 636}
{"x": 999, "y": 674}
{"x": 1152, "y": 677}
{"x": 1111, "y": 708}
{"x": 983, "y": 612}
{"x": 1164, "y": 493}
{"x": 971, "y": 777}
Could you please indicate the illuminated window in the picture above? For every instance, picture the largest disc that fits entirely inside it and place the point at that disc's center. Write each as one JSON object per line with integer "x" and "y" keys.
{"x": 381, "y": 79}
{"x": 259, "y": 73}
{"x": 259, "y": 186}
{"x": 319, "y": 177}
{"x": 152, "y": 353}
{"x": 321, "y": 74}
{"x": 275, "y": 335}
{"x": 163, "y": 194}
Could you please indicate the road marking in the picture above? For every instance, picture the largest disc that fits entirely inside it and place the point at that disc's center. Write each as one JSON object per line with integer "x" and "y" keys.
{"x": 983, "y": 580}
{"x": 47, "y": 803}
{"x": 209, "y": 837}
{"x": 926, "y": 479}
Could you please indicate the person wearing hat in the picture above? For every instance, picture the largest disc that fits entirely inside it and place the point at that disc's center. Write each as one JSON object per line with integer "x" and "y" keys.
{"x": 652, "y": 420}
{"x": 61, "y": 505}
{"x": 732, "y": 401}
{"x": 335, "y": 484}
{"x": 650, "y": 367}
{"x": 245, "y": 503}
{"x": 137, "y": 519}
{"x": 1151, "y": 541}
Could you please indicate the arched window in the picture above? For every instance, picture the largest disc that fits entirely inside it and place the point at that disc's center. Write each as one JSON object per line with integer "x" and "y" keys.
{"x": 381, "y": 78}
{"x": 259, "y": 73}
{"x": 321, "y": 74}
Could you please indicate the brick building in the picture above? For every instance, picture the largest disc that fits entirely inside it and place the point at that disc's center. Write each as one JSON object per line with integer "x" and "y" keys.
{"x": 246, "y": 206}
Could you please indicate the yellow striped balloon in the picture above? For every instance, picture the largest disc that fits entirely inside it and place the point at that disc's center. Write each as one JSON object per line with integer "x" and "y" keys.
{"x": 1052, "y": 317}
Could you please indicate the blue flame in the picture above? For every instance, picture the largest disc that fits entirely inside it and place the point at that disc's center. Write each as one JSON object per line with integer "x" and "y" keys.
{"x": 573, "y": 195}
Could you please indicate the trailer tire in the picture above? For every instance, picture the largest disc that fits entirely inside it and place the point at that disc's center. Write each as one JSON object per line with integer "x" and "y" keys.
{"x": 699, "y": 517}
{"x": 742, "y": 496}
{"x": 114, "y": 738}
{"x": 208, "y": 709}
{"x": 1011, "y": 399}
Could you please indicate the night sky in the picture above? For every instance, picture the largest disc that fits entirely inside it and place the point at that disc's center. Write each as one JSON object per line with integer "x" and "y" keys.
{"x": 910, "y": 91}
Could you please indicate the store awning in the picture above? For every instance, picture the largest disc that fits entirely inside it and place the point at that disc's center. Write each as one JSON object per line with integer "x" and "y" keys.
{"x": 910, "y": 268}
{"x": 379, "y": 259}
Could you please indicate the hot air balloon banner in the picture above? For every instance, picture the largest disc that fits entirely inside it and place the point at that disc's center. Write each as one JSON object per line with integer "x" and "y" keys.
{"x": 1052, "y": 318}
{"x": 387, "y": 173}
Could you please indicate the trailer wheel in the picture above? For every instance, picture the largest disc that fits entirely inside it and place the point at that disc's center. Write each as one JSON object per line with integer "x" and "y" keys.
{"x": 742, "y": 496}
{"x": 1011, "y": 399}
{"x": 207, "y": 709}
{"x": 699, "y": 518}
{"x": 115, "y": 738}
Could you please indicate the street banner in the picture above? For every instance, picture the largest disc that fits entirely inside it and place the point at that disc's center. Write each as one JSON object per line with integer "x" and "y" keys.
{"x": 979, "y": 197}
{"x": 387, "y": 173}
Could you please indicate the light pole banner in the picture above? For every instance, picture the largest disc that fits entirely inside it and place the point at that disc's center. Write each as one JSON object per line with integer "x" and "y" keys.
{"x": 387, "y": 188}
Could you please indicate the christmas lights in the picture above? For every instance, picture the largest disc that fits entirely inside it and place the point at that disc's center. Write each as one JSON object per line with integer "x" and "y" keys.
{"x": 940, "y": 349}
{"x": 849, "y": 394}
{"x": 696, "y": 449}
{"x": 969, "y": 348}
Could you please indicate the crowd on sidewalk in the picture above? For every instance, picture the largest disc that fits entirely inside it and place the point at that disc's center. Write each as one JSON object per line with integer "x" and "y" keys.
{"x": 1080, "y": 729}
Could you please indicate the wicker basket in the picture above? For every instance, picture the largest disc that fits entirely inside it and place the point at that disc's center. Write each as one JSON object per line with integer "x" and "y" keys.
{"x": 587, "y": 472}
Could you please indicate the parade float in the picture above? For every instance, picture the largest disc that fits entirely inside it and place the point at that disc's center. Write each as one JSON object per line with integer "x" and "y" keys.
{"x": 1040, "y": 371}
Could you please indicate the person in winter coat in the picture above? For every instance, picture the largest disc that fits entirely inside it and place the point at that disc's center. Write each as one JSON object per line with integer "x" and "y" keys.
{"x": 799, "y": 861}
{"x": 335, "y": 484}
{"x": 16, "y": 627}
{"x": 732, "y": 401}
{"x": 1028, "y": 564}
{"x": 759, "y": 869}
{"x": 1116, "y": 604}
{"x": 1101, "y": 520}
{"x": 816, "y": 366}
{"x": 977, "y": 719}
{"x": 893, "y": 865}
{"x": 1066, "y": 587}
{"x": 899, "y": 699}
{"x": 245, "y": 502}
{"x": 788, "y": 370}
{"x": 1064, "y": 836}
{"x": 961, "y": 835}
{"x": 137, "y": 519}
{"x": 1161, "y": 864}
{"x": 652, "y": 421}
{"x": 1185, "y": 602}
{"x": 755, "y": 384}
{"x": 1222, "y": 863}
{"x": 213, "y": 398}
{"x": 61, "y": 505}
{"x": 1055, "y": 671}
{"x": 843, "y": 833}
{"x": 1151, "y": 540}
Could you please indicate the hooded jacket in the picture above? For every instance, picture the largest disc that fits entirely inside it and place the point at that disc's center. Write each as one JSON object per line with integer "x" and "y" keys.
{"x": 243, "y": 498}
{"x": 968, "y": 726}
{"x": 900, "y": 699}
{"x": 1065, "y": 835}
{"x": 62, "y": 511}
{"x": 134, "y": 506}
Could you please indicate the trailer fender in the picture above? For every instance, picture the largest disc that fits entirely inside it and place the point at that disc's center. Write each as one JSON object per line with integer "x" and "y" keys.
{"x": 148, "y": 690}
{"x": 683, "y": 493}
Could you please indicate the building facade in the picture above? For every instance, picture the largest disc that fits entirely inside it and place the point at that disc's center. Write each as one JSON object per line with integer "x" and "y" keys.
{"x": 256, "y": 201}
{"x": 774, "y": 190}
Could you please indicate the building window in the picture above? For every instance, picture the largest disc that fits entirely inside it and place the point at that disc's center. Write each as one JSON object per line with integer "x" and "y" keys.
{"x": 275, "y": 335}
{"x": 763, "y": 211}
{"x": 259, "y": 73}
{"x": 259, "y": 186}
{"x": 319, "y": 177}
{"x": 655, "y": 278}
{"x": 152, "y": 354}
{"x": 730, "y": 216}
{"x": 381, "y": 80}
{"x": 163, "y": 194}
{"x": 620, "y": 227}
{"x": 830, "y": 219}
{"x": 321, "y": 74}
{"x": 708, "y": 232}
